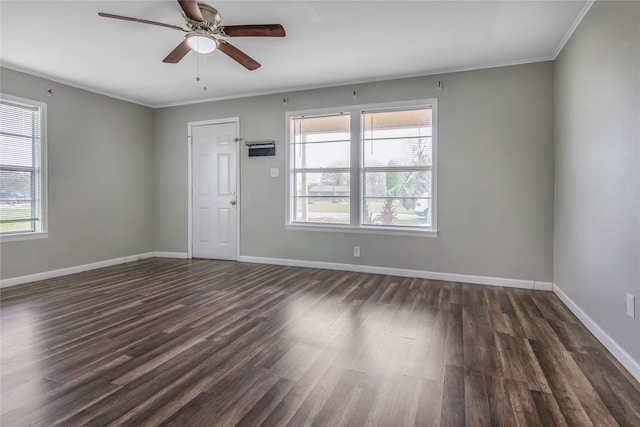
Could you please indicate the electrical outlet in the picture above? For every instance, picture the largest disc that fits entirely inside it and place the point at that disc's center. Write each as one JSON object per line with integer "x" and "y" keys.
{"x": 356, "y": 251}
{"x": 631, "y": 306}
{"x": 274, "y": 172}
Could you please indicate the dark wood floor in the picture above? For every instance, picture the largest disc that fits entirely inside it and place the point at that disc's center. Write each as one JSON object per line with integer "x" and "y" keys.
{"x": 208, "y": 343}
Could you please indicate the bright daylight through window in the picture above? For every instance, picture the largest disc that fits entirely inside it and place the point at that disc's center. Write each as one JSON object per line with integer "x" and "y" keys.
{"x": 366, "y": 168}
{"x": 21, "y": 166}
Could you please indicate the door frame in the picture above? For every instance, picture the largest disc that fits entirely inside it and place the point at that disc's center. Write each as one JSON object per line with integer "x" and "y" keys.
{"x": 190, "y": 125}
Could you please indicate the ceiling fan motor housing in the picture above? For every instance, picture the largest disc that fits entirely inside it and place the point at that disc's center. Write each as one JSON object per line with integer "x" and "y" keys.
{"x": 211, "y": 19}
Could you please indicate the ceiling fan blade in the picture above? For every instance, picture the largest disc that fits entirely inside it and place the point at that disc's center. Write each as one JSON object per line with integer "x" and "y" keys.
{"x": 191, "y": 9}
{"x": 142, "y": 21}
{"x": 237, "y": 55}
{"x": 177, "y": 54}
{"x": 268, "y": 30}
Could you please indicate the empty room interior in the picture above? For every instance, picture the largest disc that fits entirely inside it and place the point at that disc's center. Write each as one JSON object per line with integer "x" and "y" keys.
{"x": 322, "y": 213}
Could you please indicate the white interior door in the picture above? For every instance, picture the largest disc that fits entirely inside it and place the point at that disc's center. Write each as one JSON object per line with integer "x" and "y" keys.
{"x": 214, "y": 210}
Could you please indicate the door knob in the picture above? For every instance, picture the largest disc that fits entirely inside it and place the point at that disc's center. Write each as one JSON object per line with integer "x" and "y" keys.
{"x": 233, "y": 202}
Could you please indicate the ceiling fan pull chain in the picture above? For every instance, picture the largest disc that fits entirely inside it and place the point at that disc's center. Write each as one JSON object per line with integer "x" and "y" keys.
{"x": 205, "y": 67}
{"x": 197, "y": 68}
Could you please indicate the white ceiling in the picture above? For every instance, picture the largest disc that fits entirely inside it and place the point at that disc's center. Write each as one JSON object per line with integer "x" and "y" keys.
{"x": 327, "y": 43}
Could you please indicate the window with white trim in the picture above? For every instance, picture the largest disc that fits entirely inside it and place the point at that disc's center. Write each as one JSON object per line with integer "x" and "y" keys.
{"x": 369, "y": 168}
{"x": 22, "y": 167}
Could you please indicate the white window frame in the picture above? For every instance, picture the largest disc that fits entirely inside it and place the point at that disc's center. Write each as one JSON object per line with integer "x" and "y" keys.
{"x": 357, "y": 190}
{"x": 42, "y": 232}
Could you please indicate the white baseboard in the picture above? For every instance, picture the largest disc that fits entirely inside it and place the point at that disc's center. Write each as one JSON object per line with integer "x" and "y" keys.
{"x": 543, "y": 286}
{"x": 179, "y": 255}
{"x": 451, "y": 277}
{"x": 421, "y": 274}
{"x": 618, "y": 352}
{"x": 13, "y": 281}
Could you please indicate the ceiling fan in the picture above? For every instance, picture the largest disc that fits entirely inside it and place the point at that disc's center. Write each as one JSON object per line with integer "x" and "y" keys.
{"x": 203, "y": 23}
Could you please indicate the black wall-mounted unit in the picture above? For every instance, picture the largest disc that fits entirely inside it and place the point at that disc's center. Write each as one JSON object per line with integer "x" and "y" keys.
{"x": 264, "y": 147}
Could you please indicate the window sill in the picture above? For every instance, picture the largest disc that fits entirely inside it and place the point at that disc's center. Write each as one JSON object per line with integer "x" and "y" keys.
{"x": 23, "y": 236}
{"x": 377, "y": 230}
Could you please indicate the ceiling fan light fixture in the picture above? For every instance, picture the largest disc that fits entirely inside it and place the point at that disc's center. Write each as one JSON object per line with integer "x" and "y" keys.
{"x": 201, "y": 43}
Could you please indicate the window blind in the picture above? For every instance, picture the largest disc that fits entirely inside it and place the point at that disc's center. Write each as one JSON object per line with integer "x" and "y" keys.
{"x": 321, "y": 168}
{"x": 397, "y": 162}
{"x": 20, "y": 167}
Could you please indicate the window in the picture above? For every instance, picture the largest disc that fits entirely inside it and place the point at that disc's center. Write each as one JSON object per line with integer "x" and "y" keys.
{"x": 321, "y": 149}
{"x": 22, "y": 167}
{"x": 367, "y": 168}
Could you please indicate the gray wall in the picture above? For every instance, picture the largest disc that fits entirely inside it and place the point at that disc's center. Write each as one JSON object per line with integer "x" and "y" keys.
{"x": 597, "y": 167}
{"x": 100, "y": 179}
{"x": 107, "y": 183}
{"x": 495, "y": 183}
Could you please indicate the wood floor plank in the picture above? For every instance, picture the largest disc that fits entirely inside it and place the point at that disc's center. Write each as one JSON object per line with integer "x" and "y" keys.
{"x": 317, "y": 397}
{"x": 521, "y": 314}
{"x": 149, "y": 388}
{"x": 291, "y": 402}
{"x": 263, "y": 407}
{"x": 340, "y": 400}
{"x": 396, "y": 402}
{"x": 231, "y": 400}
{"x": 519, "y": 362}
{"x": 426, "y": 357}
{"x": 522, "y": 404}
{"x": 52, "y": 407}
{"x": 572, "y": 410}
{"x": 567, "y": 375}
{"x": 608, "y": 388}
{"x": 454, "y": 403}
{"x": 17, "y": 395}
{"x": 454, "y": 349}
{"x": 202, "y": 342}
{"x": 361, "y": 402}
{"x": 429, "y": 408}
{"x": 476, "y": 400}
{"x": 549, "y": 412}
{"x": 481, "y": 352}
{"x": 500, "y": 406}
